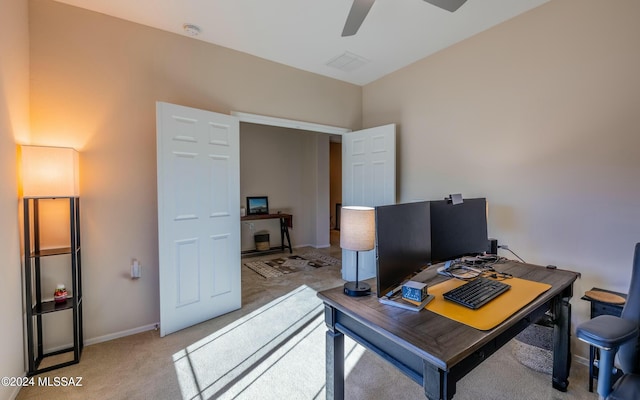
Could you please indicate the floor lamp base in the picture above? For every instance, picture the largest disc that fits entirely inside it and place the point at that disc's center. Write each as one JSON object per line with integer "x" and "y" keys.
{"x": 356, "y": 289}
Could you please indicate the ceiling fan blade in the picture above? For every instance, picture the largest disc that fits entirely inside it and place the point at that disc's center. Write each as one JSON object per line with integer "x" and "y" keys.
{"x": 359, "y": 11}
{"x": 449, "y": 5}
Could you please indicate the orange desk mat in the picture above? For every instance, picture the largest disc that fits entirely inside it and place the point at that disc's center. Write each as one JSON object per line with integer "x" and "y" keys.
{"x": 493, "y": 313}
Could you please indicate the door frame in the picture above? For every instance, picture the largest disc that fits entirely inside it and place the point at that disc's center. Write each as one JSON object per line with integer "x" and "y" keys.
{"x": 288, "y": 123}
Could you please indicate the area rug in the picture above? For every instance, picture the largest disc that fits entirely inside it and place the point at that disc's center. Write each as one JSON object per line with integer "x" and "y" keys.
{"x": 533, "y": 348}
{"x": 287, "y": 265}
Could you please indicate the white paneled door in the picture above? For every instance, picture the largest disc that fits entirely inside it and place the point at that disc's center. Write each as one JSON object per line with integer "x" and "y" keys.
{"x": 198, "y": 215}
{"x": 368, "y": 179}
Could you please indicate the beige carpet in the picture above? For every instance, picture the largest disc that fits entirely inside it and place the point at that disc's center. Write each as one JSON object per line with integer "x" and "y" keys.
{"x": 273, "y": 348}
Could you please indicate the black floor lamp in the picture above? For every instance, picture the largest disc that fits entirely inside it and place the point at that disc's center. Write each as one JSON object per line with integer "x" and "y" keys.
{"x": 357, "y": 233}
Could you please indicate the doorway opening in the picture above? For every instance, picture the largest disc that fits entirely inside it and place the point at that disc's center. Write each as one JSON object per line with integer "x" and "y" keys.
{"x": 335, "y": 188}
{"x": 297, "y": 166}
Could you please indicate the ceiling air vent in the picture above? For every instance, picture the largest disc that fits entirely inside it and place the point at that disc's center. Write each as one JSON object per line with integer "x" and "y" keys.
{"x": 347, "y": 62}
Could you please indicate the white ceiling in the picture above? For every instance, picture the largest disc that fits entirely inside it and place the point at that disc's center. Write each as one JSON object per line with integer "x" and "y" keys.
{"x": 306, "y": 34}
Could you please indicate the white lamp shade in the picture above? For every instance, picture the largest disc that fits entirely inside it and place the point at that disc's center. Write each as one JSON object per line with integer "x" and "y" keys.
{"x": 49, "y": 171}
{"x": 357, "y": 228}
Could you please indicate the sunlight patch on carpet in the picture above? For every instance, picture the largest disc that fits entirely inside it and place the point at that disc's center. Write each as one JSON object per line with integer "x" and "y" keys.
{"x": 264, "y": 355}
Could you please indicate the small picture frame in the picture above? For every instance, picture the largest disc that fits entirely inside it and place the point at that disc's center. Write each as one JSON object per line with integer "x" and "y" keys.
{"x": 257, "y": 205}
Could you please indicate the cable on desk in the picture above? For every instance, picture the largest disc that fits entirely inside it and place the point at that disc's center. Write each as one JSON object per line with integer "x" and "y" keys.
{"x": 460, "y": 271}
{"x": 508, "y": 249}
{"x": 468, "y": 269}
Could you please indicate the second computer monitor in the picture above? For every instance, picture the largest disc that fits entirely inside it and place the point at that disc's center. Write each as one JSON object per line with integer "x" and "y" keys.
{"x": 458, "y": 229}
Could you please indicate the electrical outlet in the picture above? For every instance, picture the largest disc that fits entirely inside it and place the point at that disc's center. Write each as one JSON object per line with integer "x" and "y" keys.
{"x": 135, "y": 269}
{"x": 250, "y": 225}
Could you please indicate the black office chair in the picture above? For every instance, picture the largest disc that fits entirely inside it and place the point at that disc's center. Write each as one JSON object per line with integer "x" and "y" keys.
{"x": 618, "y": 334}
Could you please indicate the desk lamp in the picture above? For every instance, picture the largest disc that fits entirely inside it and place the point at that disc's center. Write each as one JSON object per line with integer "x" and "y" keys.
{"x": 357, "y": 233}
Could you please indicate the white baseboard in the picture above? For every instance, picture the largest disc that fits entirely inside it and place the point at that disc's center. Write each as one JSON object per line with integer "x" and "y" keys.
{"x": 117, "y": 335}
{"x": 581, "y": 360}
{"x": 324, "y": 246}
{"x": 106, "y": 338}
{"x": 315, "y": 246}
{"x": 16, "y": 390}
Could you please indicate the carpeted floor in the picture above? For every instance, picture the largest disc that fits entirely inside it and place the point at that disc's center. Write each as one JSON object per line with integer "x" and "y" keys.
{"x": 274, "y": 348}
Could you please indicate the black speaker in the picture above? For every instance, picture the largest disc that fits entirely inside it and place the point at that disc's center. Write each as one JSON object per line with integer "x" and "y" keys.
{"x": 492, "y": 248}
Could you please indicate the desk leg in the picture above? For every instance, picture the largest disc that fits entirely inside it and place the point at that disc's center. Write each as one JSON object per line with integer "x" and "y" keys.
{"x": 561, "y": 333}
{"x": 436, "y": 384}
{"x": 334, "y": 358}
{"x": 284, "y": 232}
{"x": 282, "y": 225}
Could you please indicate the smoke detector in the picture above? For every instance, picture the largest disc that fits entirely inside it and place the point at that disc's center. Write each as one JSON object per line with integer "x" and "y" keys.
{"x": 191, "y": 29}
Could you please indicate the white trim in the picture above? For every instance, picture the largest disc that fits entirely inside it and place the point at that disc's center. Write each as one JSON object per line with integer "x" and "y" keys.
{"x": 108, "y": 337}
{"x": 117, "y": 335}
{"x": 581, "y": 360}
{"x": 288, "y": 123}
{"x": 16, "y": 390}
{"x": 315, "y": 246}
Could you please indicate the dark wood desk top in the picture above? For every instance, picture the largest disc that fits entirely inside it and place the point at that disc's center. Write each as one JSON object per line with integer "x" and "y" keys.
{"x": 440, "y": 340}
{"x": 253, "y": 217}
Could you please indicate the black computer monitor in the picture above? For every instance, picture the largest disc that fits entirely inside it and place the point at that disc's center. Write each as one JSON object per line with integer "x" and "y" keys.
{"x": 403, "y": 243}
{"x": 458, "y": 229}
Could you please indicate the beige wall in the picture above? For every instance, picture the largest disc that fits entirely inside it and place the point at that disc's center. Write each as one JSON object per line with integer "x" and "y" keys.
{"x": 95, "y": 81}
{"x": 540, "y": 115}
{"x": 14, "y": 127}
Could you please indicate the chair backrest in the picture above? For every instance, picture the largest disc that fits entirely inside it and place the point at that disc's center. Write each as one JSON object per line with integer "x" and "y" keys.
{"x": 628, "y": 355}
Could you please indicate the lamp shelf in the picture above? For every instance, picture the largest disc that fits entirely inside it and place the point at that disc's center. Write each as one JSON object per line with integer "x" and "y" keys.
{"x": 35, "y": 217}
{"x": 51, "y": 252}
{"x": 38, "y": 360}
{"x": 51, "y": 306}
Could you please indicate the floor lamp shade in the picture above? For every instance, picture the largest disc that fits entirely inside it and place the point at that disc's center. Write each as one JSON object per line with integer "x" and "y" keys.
{"x": 357, "y": 233}
{"x": 48, "y": 172}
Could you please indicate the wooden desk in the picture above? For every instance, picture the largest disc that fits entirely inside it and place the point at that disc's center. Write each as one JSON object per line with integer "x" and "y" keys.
{"x": 434, "y": 351}
{"x": 286, "y": 222}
